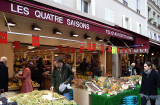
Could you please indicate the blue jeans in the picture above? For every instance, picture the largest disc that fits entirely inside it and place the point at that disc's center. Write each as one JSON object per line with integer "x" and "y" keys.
{"x": 67, "y": 95}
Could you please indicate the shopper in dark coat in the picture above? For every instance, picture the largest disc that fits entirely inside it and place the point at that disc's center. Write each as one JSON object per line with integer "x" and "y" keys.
{"x": 40, "y": 67}
{"x": 62, "y": 73}
{"x": 83, "y": 66}
{"x": 3, "y": 75}
{"x": 150, "y": 84}
{"x": 96, "y": 69}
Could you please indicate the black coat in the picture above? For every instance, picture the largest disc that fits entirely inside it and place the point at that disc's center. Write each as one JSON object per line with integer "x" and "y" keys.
{"x": 3, "y": 76}
{"x": 150, "y": 83}
{"x": 83, "y": 66}
{"x": 60, "y": 76}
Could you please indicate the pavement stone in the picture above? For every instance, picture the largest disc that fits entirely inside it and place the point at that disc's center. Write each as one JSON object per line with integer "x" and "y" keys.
{"x": 157, "y": 101}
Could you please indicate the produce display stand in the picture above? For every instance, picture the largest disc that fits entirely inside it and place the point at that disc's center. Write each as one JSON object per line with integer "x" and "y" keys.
{"x": 115, "y": 99}
{"x": 18, "y": 87}
{"x": 43, "y": 97}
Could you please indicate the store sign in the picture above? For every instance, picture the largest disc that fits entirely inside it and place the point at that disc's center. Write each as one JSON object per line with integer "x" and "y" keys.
{"x": 134, "y": 51}
{"x": 73, "y": 49}
{"x": 89, "y": 46}
{"x": 81, "y": 49}
{"x": 59, "y": 48}
{"x": 67, "y": 49}
{"x": 17, "y": 44}
{"x": 117, "y": 34}
{"x": 93, "y": 47}
{"x": 117, "y": 49}
{"x": 109, "y": 49}
{"x": 55, "y": 16}
{"x": 3, "y": 37}
{"x": 35, "y": 40}
{"x": 102, "y": 48}
{"x": 114, "y": 50}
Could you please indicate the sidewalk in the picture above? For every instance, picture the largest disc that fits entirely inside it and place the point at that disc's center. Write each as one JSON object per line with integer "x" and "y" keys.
{"x": 157, "y": 101}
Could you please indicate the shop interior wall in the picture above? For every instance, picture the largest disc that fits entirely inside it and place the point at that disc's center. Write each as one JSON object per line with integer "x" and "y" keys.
{"x": 7, "y": 50}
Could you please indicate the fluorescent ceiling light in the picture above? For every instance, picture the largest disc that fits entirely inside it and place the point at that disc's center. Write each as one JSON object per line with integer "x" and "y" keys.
{"x": 87, "y": 37}
{"x": 36, "y": 28}
{"x": 56, "y": 31}
{"x": 75, "y": 35}
{"x": 31, "y": 47}
{"x": 11, "y": 24}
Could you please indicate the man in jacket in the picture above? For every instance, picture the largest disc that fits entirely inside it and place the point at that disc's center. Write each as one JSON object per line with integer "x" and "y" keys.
{"x": 62, "y": 73}
{"x": 3, "y": 75}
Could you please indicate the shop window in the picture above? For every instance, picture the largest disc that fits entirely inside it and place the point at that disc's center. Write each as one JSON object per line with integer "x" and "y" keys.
{"x": 85, "y": 6}
{"x": 159, "y": 38}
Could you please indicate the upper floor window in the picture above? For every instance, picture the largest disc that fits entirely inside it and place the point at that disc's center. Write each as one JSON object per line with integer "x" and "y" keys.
{"x": 138, "y": 6}
{"x": 151, "y": 35}
{"x": 149, "y": 12}
{"x": 140, "y": 29}
{"x": 125, "y": 2}
{"x": 127, "y": 23}
{"x": 158, "y": 21}
{"x": 154, "y": 16}
{"x": 155, "y": 36}
{"x": 158, "y": 2}
{"x": 85, "y": 6}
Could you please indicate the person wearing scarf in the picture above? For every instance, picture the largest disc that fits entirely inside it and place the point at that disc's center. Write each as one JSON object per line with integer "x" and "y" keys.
{"x": 150, "y": 85}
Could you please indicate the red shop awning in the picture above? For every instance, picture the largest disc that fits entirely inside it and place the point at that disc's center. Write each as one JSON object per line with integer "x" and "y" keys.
{"x": 47, "y": 13}
{"x": 140, "y": 42}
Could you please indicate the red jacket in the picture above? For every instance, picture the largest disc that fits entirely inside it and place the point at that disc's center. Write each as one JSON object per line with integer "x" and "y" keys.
{"x": 26, "y": 81}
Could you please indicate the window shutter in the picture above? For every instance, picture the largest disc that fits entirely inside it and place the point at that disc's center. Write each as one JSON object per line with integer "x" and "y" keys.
{"x": 123, "y": 21}
{"x": 149, "y": 34}
{"x": 130, "y": 24}
{"x": 58, "y": 1}
{"x": 153, "y": 35}
{"x": 142, "y": 30}
{"x": 93, "y": 7}
{"x": 138, "y": 27}
{"x": 79, "y": 3}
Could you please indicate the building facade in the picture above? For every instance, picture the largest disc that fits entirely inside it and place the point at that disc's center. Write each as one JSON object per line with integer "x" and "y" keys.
{"x": 154, "y": 31}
